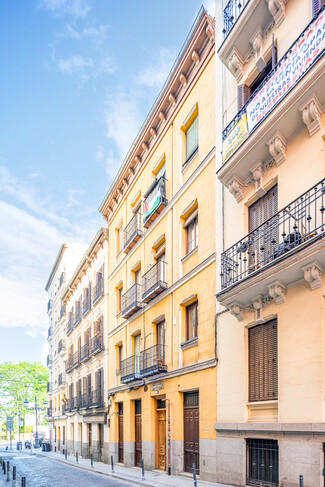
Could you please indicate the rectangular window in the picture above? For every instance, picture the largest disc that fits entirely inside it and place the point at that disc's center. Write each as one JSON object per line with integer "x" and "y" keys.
{"x": 263, "y": 362}
{"x": 192, "y": 234}
{"x": 192, "y": 138}
{"x": 119, "y": 293}
{"x": 262, "y": 459}
{"x": 119, "y": 358}
{"x": 191, "y": 321}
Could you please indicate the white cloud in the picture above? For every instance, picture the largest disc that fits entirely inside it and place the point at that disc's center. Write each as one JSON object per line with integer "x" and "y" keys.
{"x": 74, "y": 64}
{"x": 155, "y": 75}
{"x": 74, "y": 8}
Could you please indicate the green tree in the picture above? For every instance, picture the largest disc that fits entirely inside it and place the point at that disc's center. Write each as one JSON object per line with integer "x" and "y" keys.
{"x": 19, "y": 382}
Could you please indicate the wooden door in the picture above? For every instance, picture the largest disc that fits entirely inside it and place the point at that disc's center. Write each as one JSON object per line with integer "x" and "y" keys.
{"x": 120, "y": 434}
{"x": 191, "y": 432}
{"x": 89, "y": 439}
{"x": 161, "y": 439}
{"x": 138, "y": 434}
{"x": 59, "y": 438}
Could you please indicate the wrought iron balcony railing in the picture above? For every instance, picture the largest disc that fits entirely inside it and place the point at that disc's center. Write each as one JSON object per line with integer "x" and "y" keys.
{"x": 231, "y": 13}
{"x": 131, "y": 301}
{"x": 130, "y": 369}
{"x": 49, "y": 305}
{"x": 49, "y": 412}
{"x": 77, "y": 316}
{"x": 49, "y": 332}
{"x": 49, "y": 387}
{"x": 62, "y": 311}
{"x": 68, "y": 364}
{"x": 154, "y": 281}
{"x": 96, "y": 398}
{"x": 295, "y": 226}
{"x": 86, "y": 305}
{"x": 155, "y": 201}
{"x": 84, "y": 400}
{"x": 63, "y": 408}
{"x": 70, "y": 324}
{"x": 153, "y": 361}
{"x": 297, "y": 68}
{"x": 132, "y": 232}
{"x": 97, "y": 343}
{"x": 98, "y": 291}
{"x": 48, "y": 360}
{"x": 84, "y": 352}
{"x": 75, "y": 359}
{"x": 74, "y": 403}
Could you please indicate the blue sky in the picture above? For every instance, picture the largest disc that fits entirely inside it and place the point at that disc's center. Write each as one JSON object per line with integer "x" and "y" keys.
{"x": 77, "y": 80}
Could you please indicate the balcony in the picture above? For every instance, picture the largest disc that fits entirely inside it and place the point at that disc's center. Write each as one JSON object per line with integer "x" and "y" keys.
{"x": 74, "y": 403}
{"x": 61, "y": 346}
{"x": 49, "y": 332}
{"x": 130, "y": 369}
{"x": 48, "y": 360}
{"x": 96, "y": 399}
{"x": 97, "y": 344}
{"x": 68, "y": 364}
{"x": 49, "y": 412}
{"x": 231, "y": 12}
{"x": 86, "y": 305}
{"x": 77, "y": 316}
{"x": 132, "y": 232}
{"x": 154, "y": 281}
{"x": 49, "y": 305}
{"x": 98, "y": 291}
{"x": 131, "y": 301}
{"x": 70, "y": 325}
{"x": 84, "y": 353}
{"x": 63, "y": 409}
{"x": 49, "y": 387}
{"x": 155, "y": 201}
{"x": 61, "y": 380}
{"x": 62, "y": 312}
{"x": 290, "y": 96}
{"x": 153, "y": 361}
{"x": 75, "y": 360}
{"x": 281, "y": 251}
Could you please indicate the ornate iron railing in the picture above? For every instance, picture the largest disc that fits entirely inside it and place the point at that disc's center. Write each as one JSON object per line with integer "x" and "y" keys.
{"x": 130, "y": 368}
{"x": 131, "y": 300}
{"x": 77, "y": 316}
{"x": 132, "y": 231}
{"x": 61, "y": 379}
{"x": 236, "y": 119}
{"x": 75, "y": 359}
{"x": 96, "y": 398}
{"x": 86, "y": 305}
{"x": 68, "y": 364}
{"x": 296, "y": 225}
{"x": 231, "y": 13}
{"x": 70, "y": 324}
{"x": 98, "y": 290}
{"x": 97, "y": 343}
{"x": 61, "y": 346}
{"x": 154, "y": 281}
{"x": 84, "y": 352}
{"x": 153, "y": 360}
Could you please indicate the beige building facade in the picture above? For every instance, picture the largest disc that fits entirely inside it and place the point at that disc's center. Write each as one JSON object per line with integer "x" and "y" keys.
{"x": 270, "y": 290}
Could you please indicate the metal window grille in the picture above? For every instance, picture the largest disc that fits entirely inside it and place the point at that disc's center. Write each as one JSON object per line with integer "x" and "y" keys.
{"x": 191, "y": 399}
{"x": 262, "y": 463}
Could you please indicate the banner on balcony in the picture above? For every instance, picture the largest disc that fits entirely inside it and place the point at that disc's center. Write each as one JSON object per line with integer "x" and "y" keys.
{"x": 302, "y": 55}
{"x": 152, "y": 202}
{"x": 235, "y": 138}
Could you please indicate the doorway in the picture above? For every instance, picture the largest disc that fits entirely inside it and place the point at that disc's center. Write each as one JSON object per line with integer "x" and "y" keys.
{"x": 138, "y": 434}
{"x": 191, "y": 432}
{"x": 120, "y": 433}
{"x": 89, "y": 439}
{"x": 161, "y": 435}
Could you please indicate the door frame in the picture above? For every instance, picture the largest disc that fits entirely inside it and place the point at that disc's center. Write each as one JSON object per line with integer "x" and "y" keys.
{"x": 157, "y": 436}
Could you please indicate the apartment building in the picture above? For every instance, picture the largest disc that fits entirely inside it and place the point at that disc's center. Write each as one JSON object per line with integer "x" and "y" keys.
{"x": 86, "y": 362}
{"x": 62, "y": 270}
{"x": 270, "y": 320}
{"x": 161, "y": 285}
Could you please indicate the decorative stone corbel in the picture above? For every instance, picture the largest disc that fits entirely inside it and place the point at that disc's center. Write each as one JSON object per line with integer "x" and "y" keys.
{"x": 310, "y": 112}
{"x": 172, "y": 99}
{"x": 209, "y": 32}
{"x": 162, "y": 116}
{"x": 236, "y": 64}
{"x": 313, "y": 274}
{"x": 277, "y": 147}
{"x": 125, "y": 181}
{"x": 277, "y": 10}
{"x": 137, "y": 159}
{"x": 131, "y": 171}
{"x": 257, "y": 43}
{"x": 195, "y": 57}
{"x": 258, "y": 307}
{"x": 277, "y": 291}
{"x": 145, "y": 146}
{"x": 153, "y": 132}
{"x": 235, "y": 188}
{"x": 183, "y": 79}
{"x": 120, "y": 192}
{"x": 257, "y": 172}
{"x": 237, "y": 310}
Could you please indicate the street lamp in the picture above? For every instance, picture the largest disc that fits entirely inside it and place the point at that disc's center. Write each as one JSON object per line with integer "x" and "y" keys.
{"x": 36, "y": 407}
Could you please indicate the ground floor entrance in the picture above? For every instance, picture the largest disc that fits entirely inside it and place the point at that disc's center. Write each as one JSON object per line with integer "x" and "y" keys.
{"x": 161, "y": 435}
{"x": 120, "y": 433}
{"x": 138, "y": 434}
{"x": 191, "y": 432}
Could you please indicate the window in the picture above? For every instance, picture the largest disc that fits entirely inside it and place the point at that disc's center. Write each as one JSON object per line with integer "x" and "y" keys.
{"x": 191, "y": 233}
{"x": 119, "y": 292}
{"x": 192, "y": 138}
{"x": 119, "y": 239}
{"x": 191, "y": 321}
{"x": 119, "y": 358}
{"x": 262, "y": 462}
{"x": 263, "y": 362}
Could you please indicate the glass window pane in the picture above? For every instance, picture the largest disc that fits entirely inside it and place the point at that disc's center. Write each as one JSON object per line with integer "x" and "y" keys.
{"x": 192, "y": 138}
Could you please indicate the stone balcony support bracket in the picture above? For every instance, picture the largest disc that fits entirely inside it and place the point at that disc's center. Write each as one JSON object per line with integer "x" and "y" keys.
{"x": 277, "y": 291}
{"x": 277, "y": 10}
{"x": 277, "y": 147}
{"x": 237, "y": 310}
{"x": 313, "y": 274}
{"x": 236, "y": 64}
{"x": 258, "y": 303}
{"x": 310, "y": 112}
{"x": 235, "y": 187}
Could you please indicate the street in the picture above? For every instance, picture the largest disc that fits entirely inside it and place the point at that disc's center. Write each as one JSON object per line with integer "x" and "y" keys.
{"x": 41, "y": 471}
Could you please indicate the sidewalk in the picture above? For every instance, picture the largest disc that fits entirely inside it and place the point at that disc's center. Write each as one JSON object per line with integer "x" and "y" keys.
{"x": 152, "y": 478}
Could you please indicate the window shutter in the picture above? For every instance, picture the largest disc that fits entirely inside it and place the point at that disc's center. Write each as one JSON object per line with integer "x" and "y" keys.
{"x": 102, "y": 385}
{"x": 89, "y": 383}
{"x": 263, "y": 362}
{"x": 317, "y": 5}
{"x": 243, "y": 93}
{"x": 97, "y": 380}
{"x": 84, "y": 385}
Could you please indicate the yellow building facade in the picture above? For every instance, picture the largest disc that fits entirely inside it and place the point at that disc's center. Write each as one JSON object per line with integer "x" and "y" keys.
{"x": 161, "y": 285}
{"x": 270, "y": 318}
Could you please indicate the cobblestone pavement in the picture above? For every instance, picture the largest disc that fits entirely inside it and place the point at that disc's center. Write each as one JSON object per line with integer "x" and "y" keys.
{"x": 44, "y": 472}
